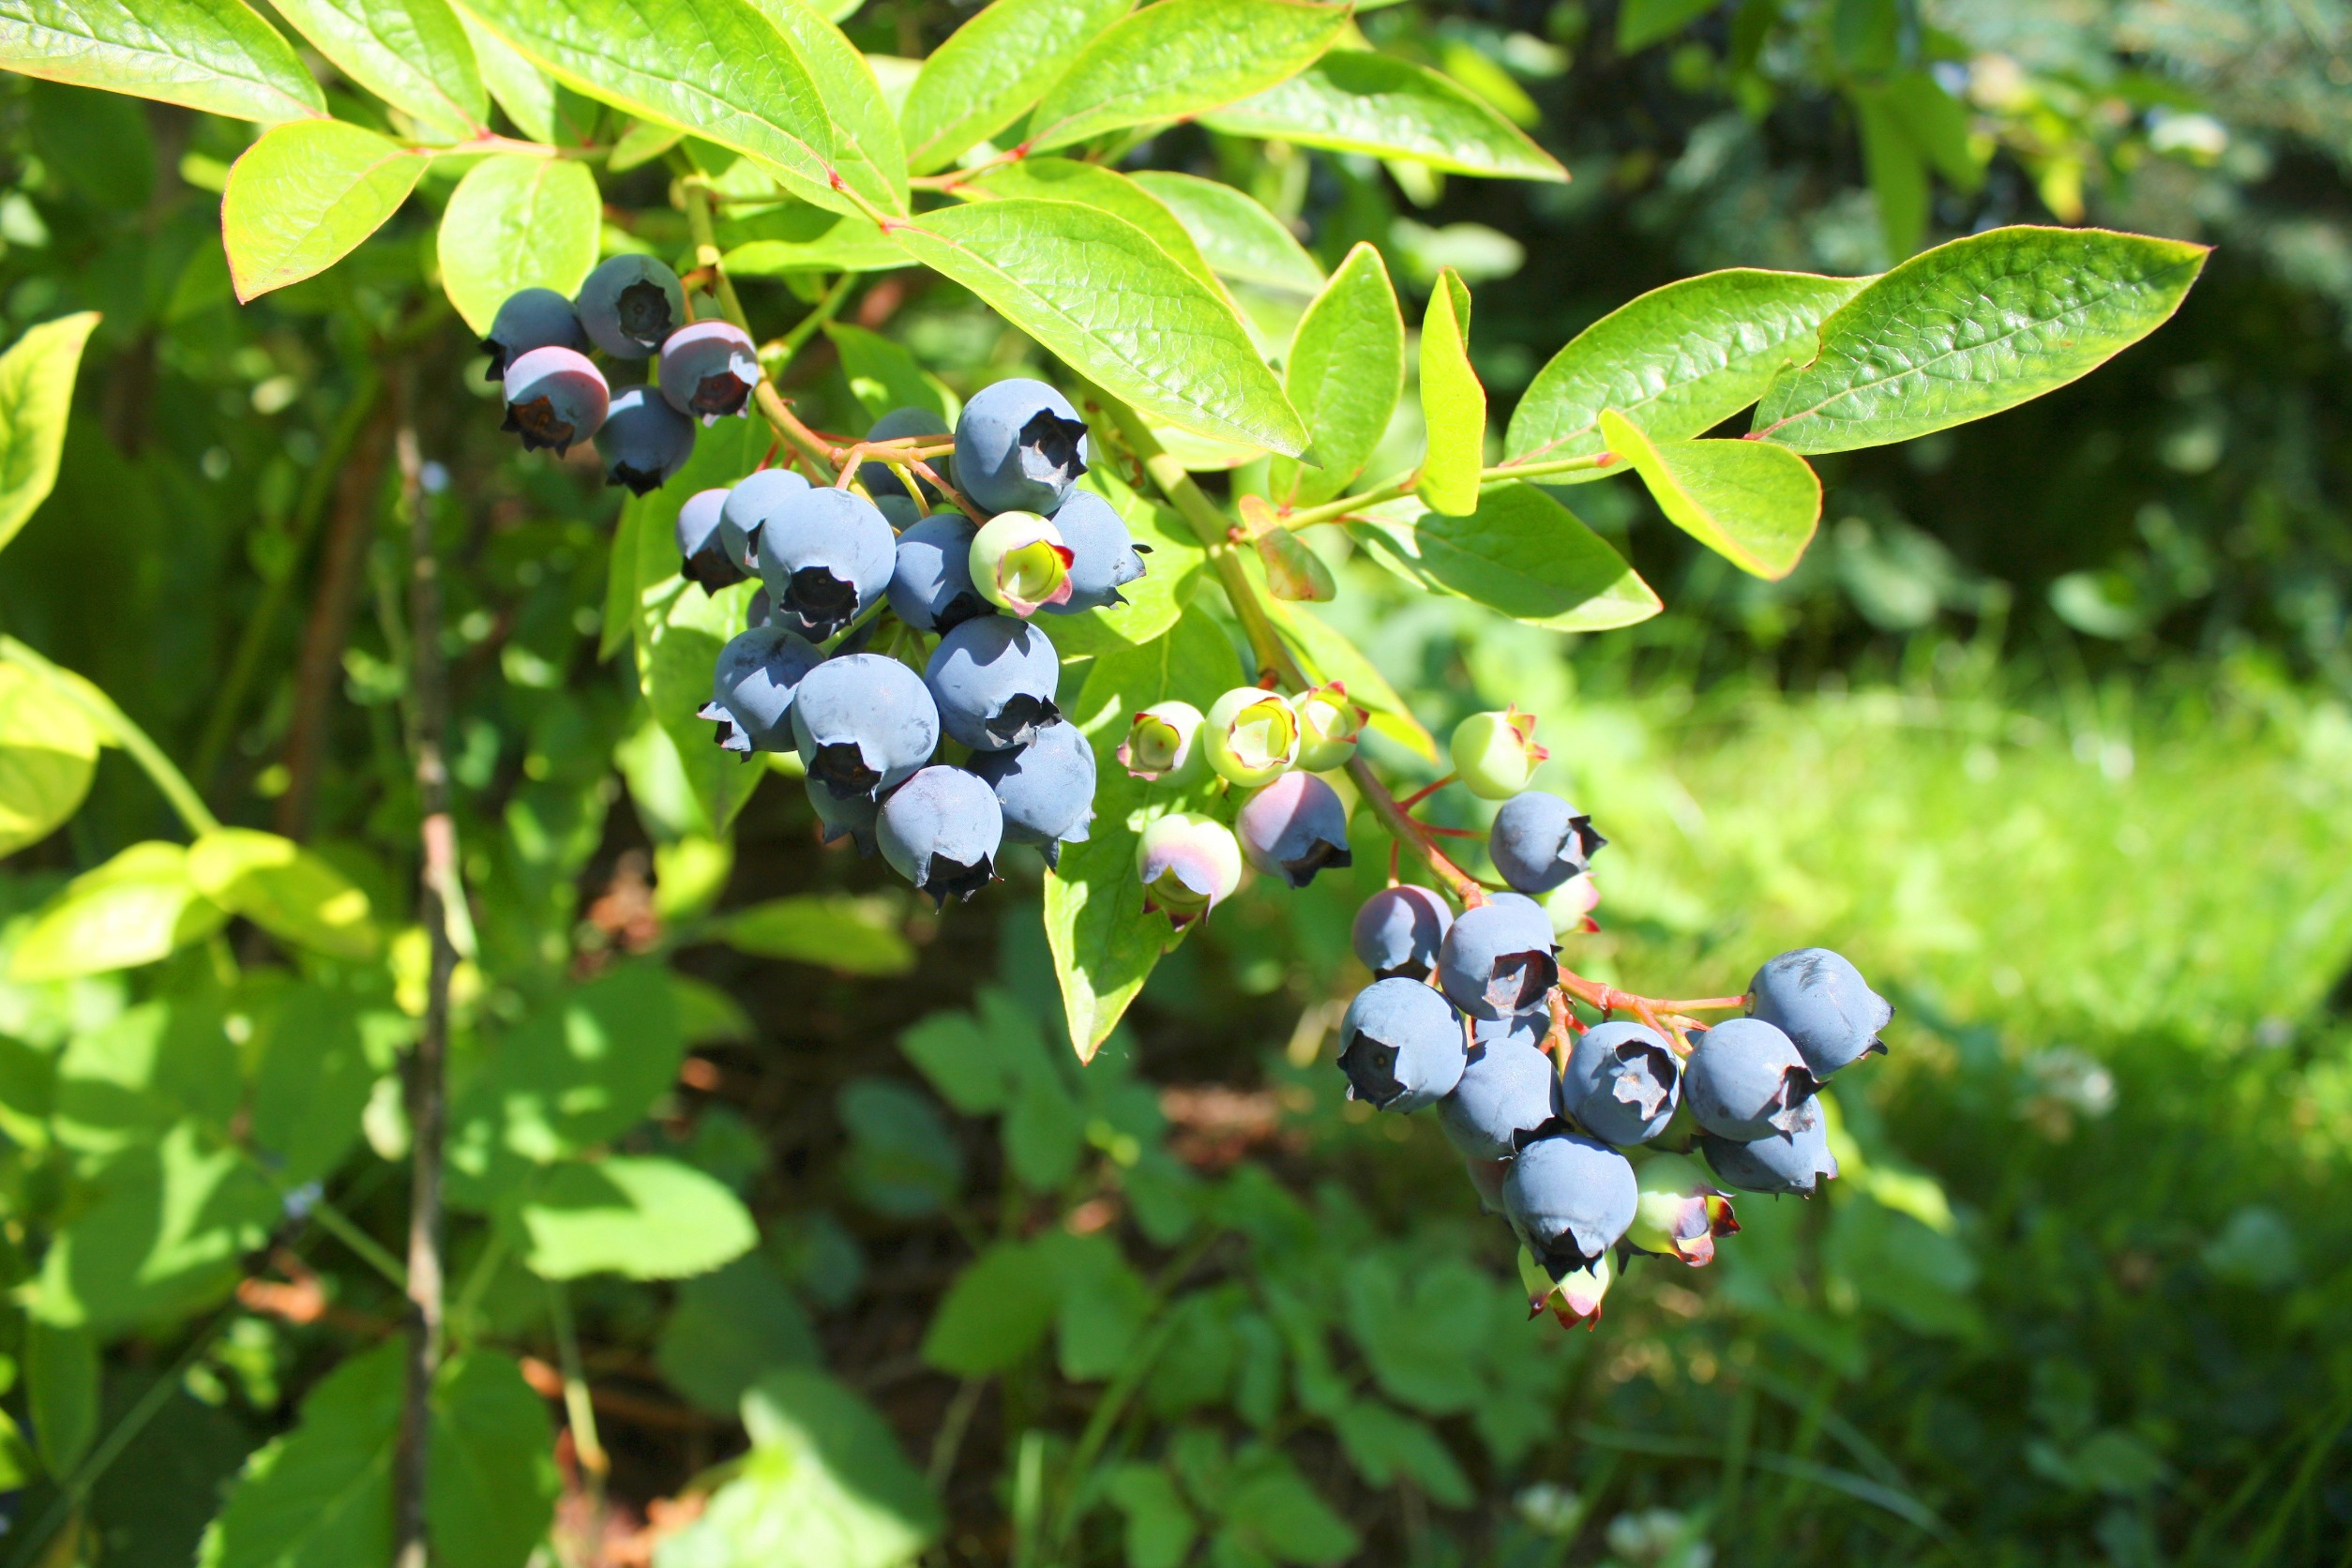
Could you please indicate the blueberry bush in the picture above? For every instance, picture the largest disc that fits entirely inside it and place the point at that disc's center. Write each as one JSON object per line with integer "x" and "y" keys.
{"x": 948, "y": 417}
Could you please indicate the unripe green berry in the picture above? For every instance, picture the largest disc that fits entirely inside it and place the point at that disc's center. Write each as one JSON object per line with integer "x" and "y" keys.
{"x": 1680, "y": 1212}
{"x": 1495, "y": 754}
{"x": 1252, "y": 736}
{"x": 1163, "y": 744}
{"x": 1328, "y": 727}
{"x": 1188, "y": 863}
{"x": 1019, "y": 562}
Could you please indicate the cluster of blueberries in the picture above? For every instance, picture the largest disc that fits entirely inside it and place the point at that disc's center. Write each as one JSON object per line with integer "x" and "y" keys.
{"x": 1461, "y": 1015}
{"x": 632, "y": 307}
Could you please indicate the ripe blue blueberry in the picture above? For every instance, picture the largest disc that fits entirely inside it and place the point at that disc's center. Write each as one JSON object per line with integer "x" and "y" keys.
{"x": 940, "y": 831}
{"x": 752, "y": 688}
{"x": 1823, "y": 1002}
{"x": 1294, "y": 827}
{"x": 1045, "y": 788}
{"x": 876, "y": 475}
{"x": 643, "y": 440}
{"x": 826, "y": 556}
{"x": 554, "y": 397}
{"x": 1570, "y": 1198}
{"x": 531, "y": 319}
{"x": 864, "y": 723}
{"x": 1496, "y": 959}
{"x": 749, "y": 503}
{"x": 1103, "y": 555}
{"x": 699, "y": 545}
{"x": 993, "y": 679}
{"x": 629, "y": 304}
{"x": 1401, "y": 1045}
{"x": 1540, "y": 841}
{"x": 1505, "y": 1093}
{"x": 854, "y": 817}
{"x": 1745, "y": 1079}
{"x": 708, "y": 369}
{"x": 930, "y": 584}
{"x": 1794, "y": 1161}
{"x": 1019, "y": 447}
{"x": 1398, "y": 930}
{"x": 1623, "y": 1082}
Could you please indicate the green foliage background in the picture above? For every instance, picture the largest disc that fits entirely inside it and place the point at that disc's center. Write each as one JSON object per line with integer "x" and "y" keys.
{"x": 2051, "y": 730}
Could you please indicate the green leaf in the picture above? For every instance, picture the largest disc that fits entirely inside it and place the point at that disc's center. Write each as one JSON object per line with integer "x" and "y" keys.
{"x": 1423, "y": 1328}
{"x": 135, "y": 909}
{"x": 885, "y": 376}
{"x": 1177, "y": 58}
{"x": 1271, "y": 1509}
{"x": 1453, "y": 404}
{"x": 850, "y": 244}
{"x": 214, "y": 55}
{"x": 526, "y": 92}
{"x": 1062, "y": 179}
{"x": 48, "y": 754}
{"x": 617, "y": 627}
{"x": 904, "y": 1160}
{"x": 162, "y": 1231}
{"x": 320, "y": 1496}
{"x": 1355, "y": 101}
{"x": 1242, "y": 241}
{"x": 1104, "y": 1303}
{"x": 1160, "y": 1529}
{"x": 1104, "y": 945}
{"x": 1973, "y": 327}
{"x": 125, "y": 1083}
{"x": 37, "y": 377}
{"x": 517, "y": 222}
{"x": 303, "y": 197}
{"x": 1751, "y": 503}
{"x": 318, "y": 1055}
{"x": 490, "y": 1477}
{"x": 61, "y": 1392}
{"x": 975, "y": 1069}
{"x": 1344, "y": 373}
{"x": 991, "y": 69}
{"x": 1097, "y": 291}
{"x": 865, "y": 131}
{"x": 995, "y": 1314}
{"x": 1326, "y": 655}
{"x": 639, "y": 1217}
{"x": 285, "y": 889}
{"x": 846, "y": 934}
{"x": 1643, "y": 23}
{"x": 1385, "y": 1445}
{"x": 1679, "y": 360}
{"x": 716, "y": 68}
{"x": 730, "y": 1327}
{"x": 1520, "y": 552}
{"x": 581, "y": 1070}
{"x": 412, "y": 53}
{"x": 823, "y": 1486}
{"x": 1897, "y": 172}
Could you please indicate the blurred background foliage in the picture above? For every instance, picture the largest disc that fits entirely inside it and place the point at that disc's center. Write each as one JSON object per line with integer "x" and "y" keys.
{"x": 2051, "y": 732}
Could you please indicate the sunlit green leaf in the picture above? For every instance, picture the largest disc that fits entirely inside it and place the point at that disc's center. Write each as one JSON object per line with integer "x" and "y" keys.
{"x": 991, "y": 69}
{"x": 1326, "y": 655}
{"x": 214, "y": 55}
{"x": 37, "y": 377}
{"x": 1345, "y": 372}
{"x": 844, "y": 244}
{"x": 998, "y": 1311}
{"x": 851, "y": 935}
{"x": 1242, "y": 241}
{"x": 1973, "y": 327}
{"x": 412, "y": 53}
{"x": 286, "y": 890}
{"x": 1177, "y": 58}
{"x": 641, "y": 1218}
{"x": 865, "y": 131}
{"x": 135, "y": 909}
{"x": 303, "y": 197}
{"x": 1520, "y": 552}
{"x": 125, "y": 1083}
{"x": 1751, "y": 502}
{"x": 1679, "y": 360}
{"x": 318, "y": 1055}
{"x": 1452, "y": 404}
{"x": 526, "y": 92}
{"x": 516, "y": 222}
{"x": 1355, "y": 101}
{"x": 1097, "y": 291}
{"x": 1062, "y": 179}
{"x": 47, "y": 753}
{"x": 885, "y": 376}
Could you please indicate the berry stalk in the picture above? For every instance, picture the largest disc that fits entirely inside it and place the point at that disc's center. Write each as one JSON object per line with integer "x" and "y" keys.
{"x": 771, "y": 403}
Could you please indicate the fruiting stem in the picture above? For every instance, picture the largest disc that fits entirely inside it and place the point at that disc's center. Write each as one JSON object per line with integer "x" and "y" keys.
{"x": 1426, "y": 791}
{"x": 771, "y": 402}
{"x": 100, "y": 709}
{"x": 1332, "y": 511}
{"x": 1460, "y": 883}
{"x": 828, "y": 305}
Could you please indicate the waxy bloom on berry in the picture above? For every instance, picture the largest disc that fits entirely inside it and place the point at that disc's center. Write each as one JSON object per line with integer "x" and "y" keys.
{"x": 1188, "y": 863}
